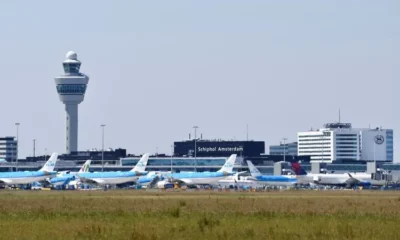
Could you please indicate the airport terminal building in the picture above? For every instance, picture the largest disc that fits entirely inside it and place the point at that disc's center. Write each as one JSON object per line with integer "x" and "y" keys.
{"x": 218, "y": 148}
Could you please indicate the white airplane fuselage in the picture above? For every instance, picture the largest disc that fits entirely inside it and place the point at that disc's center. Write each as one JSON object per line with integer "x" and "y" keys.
{"x": 29, "y": 178}
{"x": 205, "y": 180}
{"x": 337, "y": 179}
{"x": 116, "y": 180}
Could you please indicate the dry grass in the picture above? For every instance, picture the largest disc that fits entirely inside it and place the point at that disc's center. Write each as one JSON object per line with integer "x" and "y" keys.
{"x": 185, "y": 215}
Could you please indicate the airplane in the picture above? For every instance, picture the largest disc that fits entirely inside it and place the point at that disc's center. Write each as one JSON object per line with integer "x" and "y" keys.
{"x": 11, "y": 178}
{"x": 69, "y": 178}
{"x": 235, "y": 180}
{"x": 200, "y": 178}
{"x": 104, "y": 178}
{"x": 151, "y": 178}
{"x": 270, "y": 180}
{"x": 337, "y": 179}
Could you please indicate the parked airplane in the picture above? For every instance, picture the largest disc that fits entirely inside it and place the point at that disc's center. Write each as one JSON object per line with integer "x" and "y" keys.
{"x": 342, "y": 179}
{"x": 238, "y": 181}
{"x": 271, "y": 180}
{"x": 199, "y": 178}
{"x": 11, "y": 178}
{"x": 104, "y": 178}
{"x": 69, "y": 178}
{"x": 151, "y": 178}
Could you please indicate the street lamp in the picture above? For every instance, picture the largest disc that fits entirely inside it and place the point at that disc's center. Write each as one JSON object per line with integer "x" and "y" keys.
{"x": 284, "y": 149}
{"x": 195, "y": 147}
{"x": 102, "y": 146}
{"x": 34, "y": 147}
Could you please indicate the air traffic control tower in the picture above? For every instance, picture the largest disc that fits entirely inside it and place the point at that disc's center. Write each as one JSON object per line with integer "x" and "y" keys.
{"x": 71, "y": 88}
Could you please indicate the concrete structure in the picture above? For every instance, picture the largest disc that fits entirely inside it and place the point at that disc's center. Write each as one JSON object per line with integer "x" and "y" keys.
{"x": 341, "y": 142}
{"x": 71, "y": 88}
{"x": 288, "y": 148}
{"x": 8, "y": 149}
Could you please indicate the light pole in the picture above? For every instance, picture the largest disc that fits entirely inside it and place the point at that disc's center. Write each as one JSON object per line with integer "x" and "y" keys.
{"x": 34, "y": 147}
{"x": 284, "y": 149}
{"x": 102, "y": 146}
{"x": 195, "y": 147}
{"x": 16, "y": 154}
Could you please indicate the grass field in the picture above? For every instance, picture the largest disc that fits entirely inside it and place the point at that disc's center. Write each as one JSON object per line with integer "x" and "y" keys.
{"x": 199, "y": 215}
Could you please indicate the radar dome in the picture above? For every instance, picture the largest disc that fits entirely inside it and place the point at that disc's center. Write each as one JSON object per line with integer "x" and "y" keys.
{"x": 72, "y": 55}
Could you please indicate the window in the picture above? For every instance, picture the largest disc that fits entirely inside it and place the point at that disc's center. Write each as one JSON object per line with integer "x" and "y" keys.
{"x": 65, "y": 89}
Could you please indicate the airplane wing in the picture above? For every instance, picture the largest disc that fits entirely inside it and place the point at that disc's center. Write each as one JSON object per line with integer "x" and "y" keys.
{"x": 89, "y": 180}
{"x": 5, "y": 181}
{"x": 351, "y": 181}
{"x": 180, "y": 181}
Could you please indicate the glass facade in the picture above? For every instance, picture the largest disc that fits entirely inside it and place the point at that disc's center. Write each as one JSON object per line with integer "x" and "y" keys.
{"x": 389, "y": 145}
{"x": 71, "y": 68}
{"x": 178, "y": 162}
{"x": 347, "y": 167}
{"x": 391, "y": 167}
{"x": 71, "y": 89}
{"x": 288, "y": 148}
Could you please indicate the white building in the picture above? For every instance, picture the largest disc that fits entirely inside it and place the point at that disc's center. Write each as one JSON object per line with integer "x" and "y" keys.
{"x": 341, "y": 142}
{"x": 8, "y": 149}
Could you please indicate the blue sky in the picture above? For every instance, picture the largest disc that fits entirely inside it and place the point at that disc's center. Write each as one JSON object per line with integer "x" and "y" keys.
{"x": 159, "y": 67}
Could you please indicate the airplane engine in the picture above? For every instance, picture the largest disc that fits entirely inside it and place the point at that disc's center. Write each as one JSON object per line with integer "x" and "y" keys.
{"x": 316, "y": 179}
{"x": 161, "y": 184}
{"x": 165, "y": 184}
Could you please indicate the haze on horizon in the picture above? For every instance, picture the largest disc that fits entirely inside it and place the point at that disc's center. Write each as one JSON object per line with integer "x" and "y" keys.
{"x": 157, "y": 68}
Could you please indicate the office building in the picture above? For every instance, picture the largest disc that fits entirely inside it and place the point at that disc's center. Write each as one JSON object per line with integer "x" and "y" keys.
{"x": 8, "y": 149}
{"x": 341, "y": 142}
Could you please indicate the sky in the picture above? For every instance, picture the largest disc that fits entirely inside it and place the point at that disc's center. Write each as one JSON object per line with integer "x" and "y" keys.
{"x": 158, "y": 68}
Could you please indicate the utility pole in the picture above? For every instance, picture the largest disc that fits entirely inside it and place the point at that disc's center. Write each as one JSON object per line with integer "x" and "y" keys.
{"x": 34, "y": 147}
{"x": 195, "y": 147}
{"x": 102, "y": 146}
